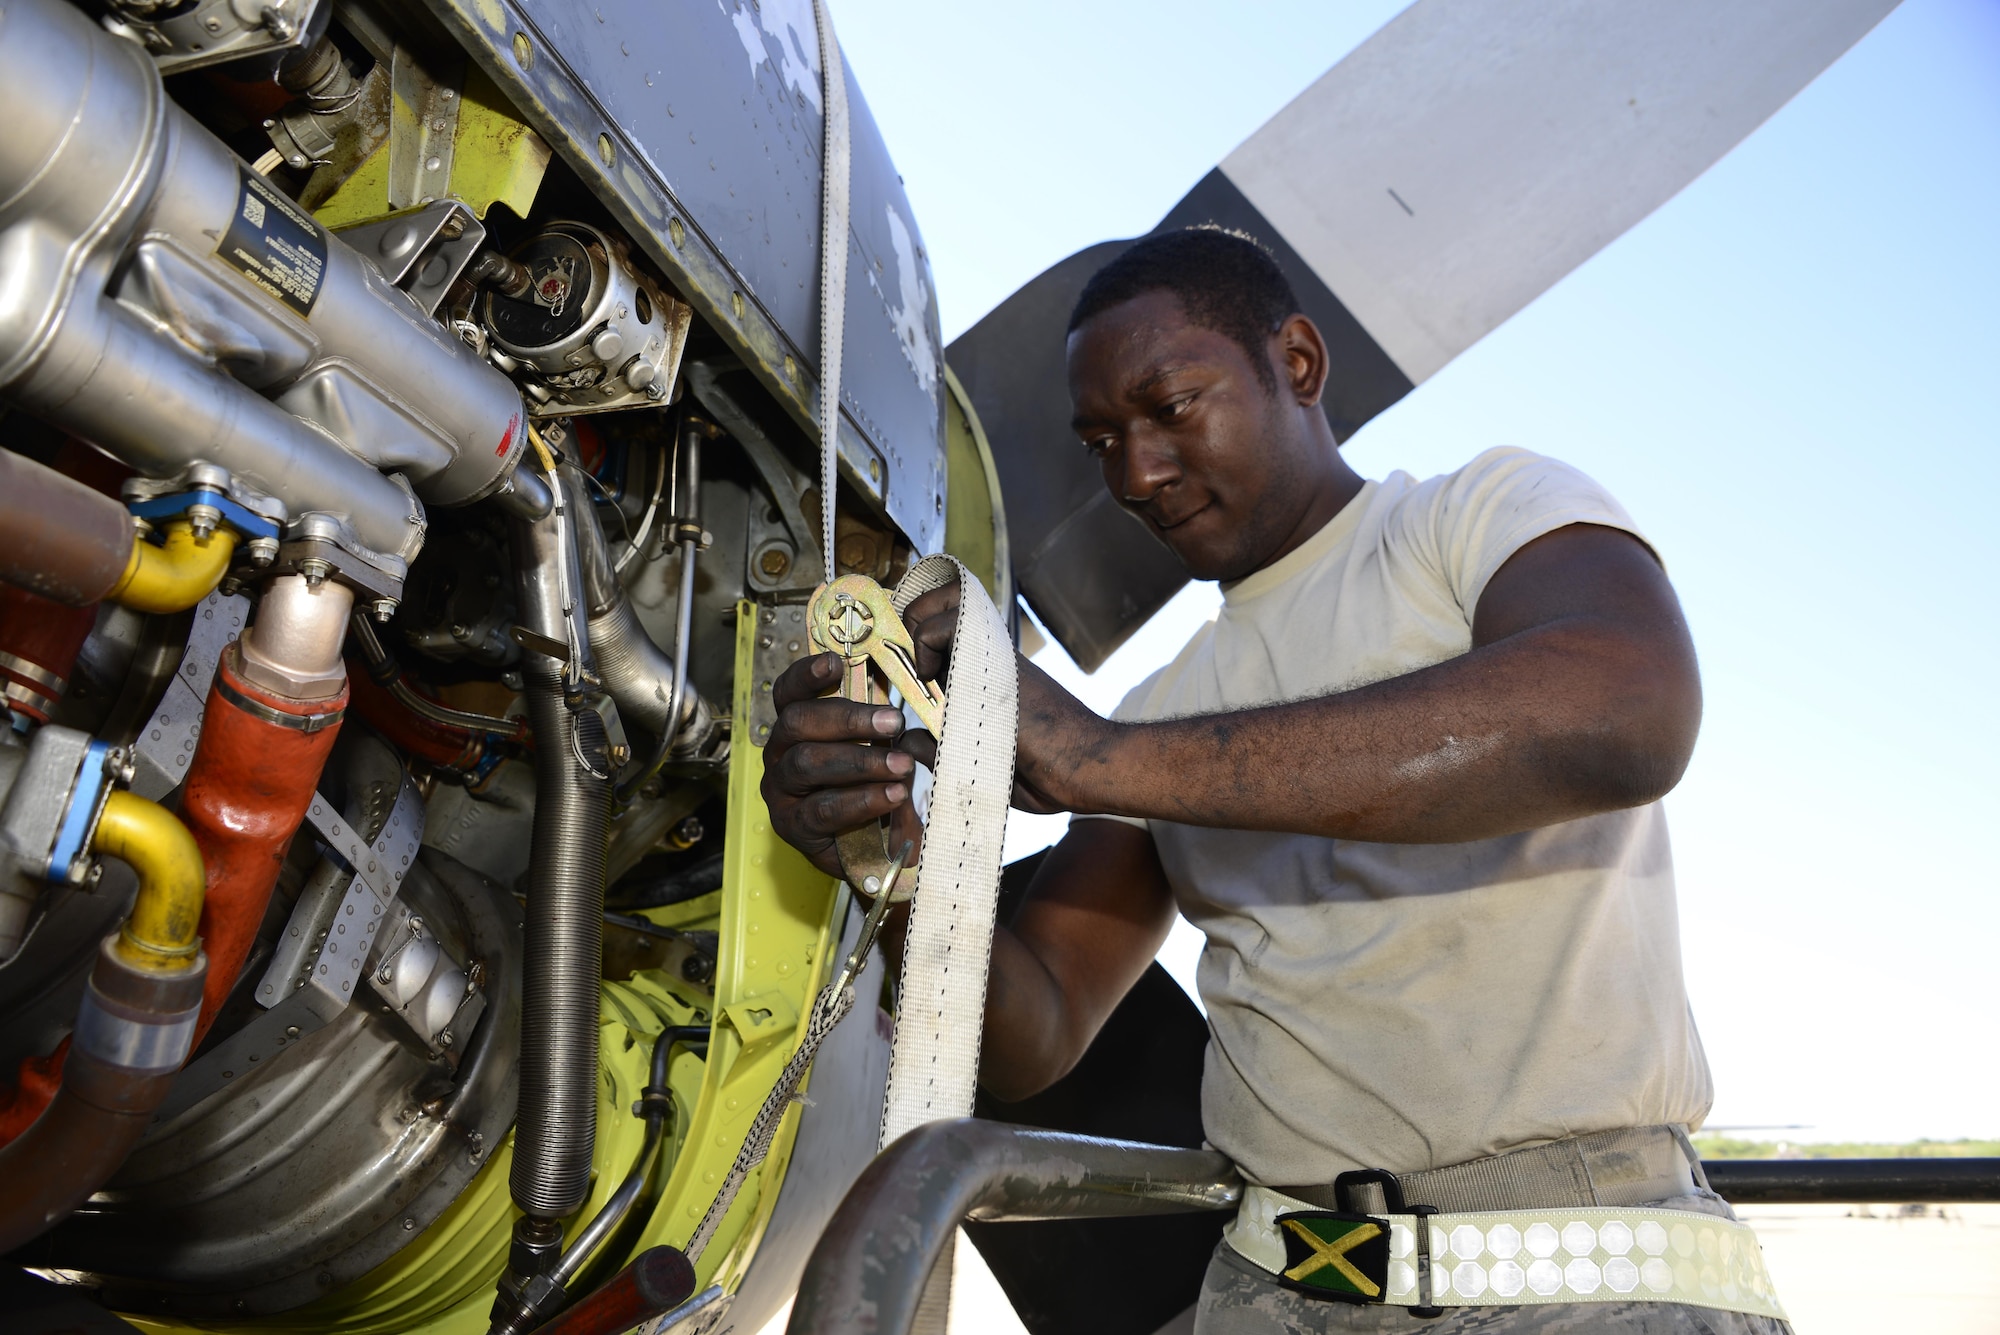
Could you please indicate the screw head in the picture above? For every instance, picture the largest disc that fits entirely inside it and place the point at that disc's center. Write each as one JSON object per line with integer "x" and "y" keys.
{"x": 383, "y": 608}
{"x": 313, "y": 570}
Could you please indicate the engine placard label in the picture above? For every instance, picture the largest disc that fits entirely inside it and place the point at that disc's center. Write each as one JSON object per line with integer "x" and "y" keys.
{"x": 275, "y": 244}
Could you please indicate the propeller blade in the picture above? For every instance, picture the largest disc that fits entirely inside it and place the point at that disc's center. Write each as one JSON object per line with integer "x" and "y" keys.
{"x": 1451, "y": 169}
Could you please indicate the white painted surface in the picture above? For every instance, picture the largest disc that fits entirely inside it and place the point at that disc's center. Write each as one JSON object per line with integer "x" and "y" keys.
{"x": 1468, "y": 156}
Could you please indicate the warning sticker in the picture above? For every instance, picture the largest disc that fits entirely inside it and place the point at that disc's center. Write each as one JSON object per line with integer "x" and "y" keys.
{"x": 275, "y": 244}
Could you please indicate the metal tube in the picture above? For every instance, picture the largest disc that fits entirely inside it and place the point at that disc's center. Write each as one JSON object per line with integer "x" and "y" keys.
{"x": 133, "y": 1031}
{"x": 65, "y": 541}
{"x": 159, "y": 935}
{"x": 557, "y": 1130}
{"x": 178, "y": 573}
{"x": 638, "y": 677}
{"x": 868, "y": 1270}
{"x": 1853, "y": 1181}
{"x": 658, "y": 1104}
{"x": 117, "y": 384}
{"x": 385, "y": 670}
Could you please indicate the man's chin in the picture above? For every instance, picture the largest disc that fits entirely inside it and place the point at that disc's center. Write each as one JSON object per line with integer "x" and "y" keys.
{"x": 1202, "y": 560}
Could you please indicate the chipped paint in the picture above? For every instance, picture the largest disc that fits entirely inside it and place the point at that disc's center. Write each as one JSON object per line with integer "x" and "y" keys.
{"x": 909, "y": 310}
{"x": 789, "y": 24}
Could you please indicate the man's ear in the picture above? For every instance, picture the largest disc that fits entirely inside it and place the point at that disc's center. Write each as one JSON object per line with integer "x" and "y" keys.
{"x": 1301, "y": 359}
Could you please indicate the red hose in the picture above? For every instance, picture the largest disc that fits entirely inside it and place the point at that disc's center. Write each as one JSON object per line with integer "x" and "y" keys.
{"x": 39, "y": 640}
{"x": 252, "y": 777}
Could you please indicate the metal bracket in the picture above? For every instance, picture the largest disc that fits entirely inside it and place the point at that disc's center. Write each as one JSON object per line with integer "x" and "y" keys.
{"x": 423, "y": 121}
{"x": 421, "y": 250}
{"x": 165, "y": 746}
{"x": 383, "y": 864}
{"x": 787, "y": 484}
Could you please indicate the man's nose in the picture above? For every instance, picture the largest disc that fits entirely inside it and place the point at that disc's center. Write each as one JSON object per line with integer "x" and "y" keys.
{"x": 1150, "y": 465}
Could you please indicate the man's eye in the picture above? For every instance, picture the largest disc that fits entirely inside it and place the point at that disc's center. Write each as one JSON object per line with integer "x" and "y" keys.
{"x": 1176, "y": 408}
{"x": 1099, "y": 446}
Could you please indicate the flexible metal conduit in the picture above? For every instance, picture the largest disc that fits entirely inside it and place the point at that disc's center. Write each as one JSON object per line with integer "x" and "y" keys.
{"x": 869, "y": 1268}
{"x": 557, "y": 1130}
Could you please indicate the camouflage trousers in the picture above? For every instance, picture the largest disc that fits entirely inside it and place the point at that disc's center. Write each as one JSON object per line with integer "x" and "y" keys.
{"x": 1237, "y": 1298}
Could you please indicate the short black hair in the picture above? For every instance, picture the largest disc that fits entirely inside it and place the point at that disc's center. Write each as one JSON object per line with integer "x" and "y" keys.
{"x": 1226, "y": 281}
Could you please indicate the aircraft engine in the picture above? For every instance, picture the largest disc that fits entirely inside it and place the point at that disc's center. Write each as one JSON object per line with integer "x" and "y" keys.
{"x": 400, "y": 530}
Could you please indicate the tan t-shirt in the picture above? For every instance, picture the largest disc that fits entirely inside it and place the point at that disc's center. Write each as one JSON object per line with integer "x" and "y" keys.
{"x": 1409, "y": 1006}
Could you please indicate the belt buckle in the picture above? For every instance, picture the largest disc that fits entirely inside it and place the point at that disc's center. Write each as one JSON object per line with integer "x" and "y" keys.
{"x": 1393, "y": 1203}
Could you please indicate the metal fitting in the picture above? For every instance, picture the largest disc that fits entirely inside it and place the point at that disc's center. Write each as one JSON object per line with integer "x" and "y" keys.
{"x": 294, "y": 647}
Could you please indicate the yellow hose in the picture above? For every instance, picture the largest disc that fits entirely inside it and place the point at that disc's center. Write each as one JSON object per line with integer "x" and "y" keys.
{"x": 177, "y": 575}
{"x": 159, "y": 937}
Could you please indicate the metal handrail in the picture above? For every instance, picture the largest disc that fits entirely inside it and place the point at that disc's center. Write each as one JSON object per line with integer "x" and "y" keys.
{"x": 1853, "y": 1181}
{"x": 870, "y": 1265}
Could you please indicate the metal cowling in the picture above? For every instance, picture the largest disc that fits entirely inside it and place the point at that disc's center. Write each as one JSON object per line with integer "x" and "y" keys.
{"x": 557, "y": 1129}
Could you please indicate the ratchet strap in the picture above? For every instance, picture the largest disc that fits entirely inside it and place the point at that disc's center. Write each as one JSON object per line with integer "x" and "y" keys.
{"x": 934, "y": 1060}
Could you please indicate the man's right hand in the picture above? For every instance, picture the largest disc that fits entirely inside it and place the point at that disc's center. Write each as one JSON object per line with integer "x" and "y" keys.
{"x": 829, "y": 766}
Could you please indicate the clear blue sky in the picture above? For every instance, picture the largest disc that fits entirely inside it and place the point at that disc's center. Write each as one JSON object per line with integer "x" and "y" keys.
{"x": 1787, "y": 374}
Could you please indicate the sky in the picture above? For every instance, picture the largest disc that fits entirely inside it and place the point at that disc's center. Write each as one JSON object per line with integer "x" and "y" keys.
{"x": 1786, "y": 374}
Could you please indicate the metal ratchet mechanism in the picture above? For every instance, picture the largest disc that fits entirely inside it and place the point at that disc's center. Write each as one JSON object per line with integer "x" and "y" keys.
{"x": 854, "y": 617}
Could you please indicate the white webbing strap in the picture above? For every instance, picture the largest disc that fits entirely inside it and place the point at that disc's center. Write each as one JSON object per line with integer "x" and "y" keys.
{"x": 934, "y": 1062}
{"x": 833, "y": 209}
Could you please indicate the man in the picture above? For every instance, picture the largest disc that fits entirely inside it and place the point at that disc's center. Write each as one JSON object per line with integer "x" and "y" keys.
{"x": 1407, "y": 783}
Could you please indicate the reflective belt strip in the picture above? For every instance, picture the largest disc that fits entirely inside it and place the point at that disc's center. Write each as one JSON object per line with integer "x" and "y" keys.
{"x": 934, "y": 1059}
{"x": 1524, "y": 1258}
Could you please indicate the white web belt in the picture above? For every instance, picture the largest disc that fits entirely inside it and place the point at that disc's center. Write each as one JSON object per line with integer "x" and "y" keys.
{"x": 934, "y": 1062}
{"x": 1521, "y": 1258}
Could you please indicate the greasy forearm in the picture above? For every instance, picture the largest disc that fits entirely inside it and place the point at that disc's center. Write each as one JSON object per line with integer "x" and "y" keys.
{"x": 1559, "y": 721}
{"x": 1090, "y": 924}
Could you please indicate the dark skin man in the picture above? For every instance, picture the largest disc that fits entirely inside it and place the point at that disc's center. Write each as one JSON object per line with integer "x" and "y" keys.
{"x": 1580, "y": 694}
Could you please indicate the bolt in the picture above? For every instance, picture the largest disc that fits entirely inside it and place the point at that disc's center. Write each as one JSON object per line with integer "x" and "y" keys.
{"x": 384, "y": 608}
{"x": 261, "y": 551}
{"x": 687, "y": 834}
{"x": 774, "y": 562}
{"x": 291, "y": 1031}
{"x": 409, "y": 1226}
{"x": 202, "y": 519}
{"x": 313, "y": 570}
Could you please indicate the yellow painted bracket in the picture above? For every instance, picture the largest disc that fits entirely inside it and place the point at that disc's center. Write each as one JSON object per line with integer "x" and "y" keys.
{"x": 496, "y": 158}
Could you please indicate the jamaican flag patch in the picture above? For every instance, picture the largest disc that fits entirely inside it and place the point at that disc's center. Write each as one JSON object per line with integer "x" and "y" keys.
{"x": 1331, "y": 1255}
